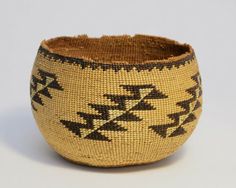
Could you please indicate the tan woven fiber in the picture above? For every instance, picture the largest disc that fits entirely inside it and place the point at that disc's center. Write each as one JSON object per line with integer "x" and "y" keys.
{"x": 115, "y": 100}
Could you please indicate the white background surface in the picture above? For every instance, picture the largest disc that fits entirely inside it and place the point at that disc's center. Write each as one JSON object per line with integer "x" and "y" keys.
{"x": 208, "y": 159}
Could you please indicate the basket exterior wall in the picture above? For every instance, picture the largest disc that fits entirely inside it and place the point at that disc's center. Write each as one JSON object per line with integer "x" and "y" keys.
{"x": 136, "y": 141}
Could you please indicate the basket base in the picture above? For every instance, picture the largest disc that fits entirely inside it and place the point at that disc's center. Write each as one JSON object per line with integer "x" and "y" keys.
{"x": 122, "y": 164}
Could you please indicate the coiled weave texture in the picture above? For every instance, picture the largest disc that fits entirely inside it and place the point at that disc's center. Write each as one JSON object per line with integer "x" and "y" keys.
{"x": 115, "y": 100}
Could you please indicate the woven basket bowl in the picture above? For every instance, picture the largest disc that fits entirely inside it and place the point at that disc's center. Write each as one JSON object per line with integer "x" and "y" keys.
{"x": 115, "y": 100}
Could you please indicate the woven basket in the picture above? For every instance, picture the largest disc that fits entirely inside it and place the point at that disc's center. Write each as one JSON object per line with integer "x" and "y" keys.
{"x": 115, "y": 100}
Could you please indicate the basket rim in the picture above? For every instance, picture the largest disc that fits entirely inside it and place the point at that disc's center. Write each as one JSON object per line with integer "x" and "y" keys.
{"x": 169, "y": 62}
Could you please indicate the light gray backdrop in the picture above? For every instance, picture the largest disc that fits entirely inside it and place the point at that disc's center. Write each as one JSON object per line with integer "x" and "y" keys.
{"x": 206, "y": 160}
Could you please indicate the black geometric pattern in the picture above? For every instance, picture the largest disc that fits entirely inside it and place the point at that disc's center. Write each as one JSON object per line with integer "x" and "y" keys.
{"x": 116, "y": 67}
{"x": 185, "y": 116}
{"x": 110, "y": 117}
{"x": 41, "y": 86}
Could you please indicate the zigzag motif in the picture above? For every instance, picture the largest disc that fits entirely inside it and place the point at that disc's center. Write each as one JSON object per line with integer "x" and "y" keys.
{"x": 185, "y": 116}
{"x": 110, "y": 117}
{"x": 40, "y": 86}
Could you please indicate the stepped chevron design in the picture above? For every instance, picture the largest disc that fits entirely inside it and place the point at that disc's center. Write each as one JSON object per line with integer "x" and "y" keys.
{"x": 110, "y": 117}
{"x": 185, "y": 116}
{"x": 40, "y": 87}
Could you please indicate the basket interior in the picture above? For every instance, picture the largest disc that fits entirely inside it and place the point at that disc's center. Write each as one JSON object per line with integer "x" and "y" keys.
{"x": 119, "y": 49}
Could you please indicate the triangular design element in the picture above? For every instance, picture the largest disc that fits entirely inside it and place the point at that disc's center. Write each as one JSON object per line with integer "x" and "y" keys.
{"x": 142, "y": 105}
{"x": 179, "y": 131}
{"x": 128, "y": 116}
{"x": 186, "y": 115}
{"x": 161, "y": 130}
{"x": 191, "y": 117}
{"x": 112, "y": 126}
{"x": 74, "y": 127}
{"x": 45, "y": 92}
{"x": 155, "y": 94}
{"x": 97, "y": 136}
{"x": 197, "y": 105}
{"x": 111, "y": 117}
{"x": 37, "y": 99}
{"x": 39, "y": 87}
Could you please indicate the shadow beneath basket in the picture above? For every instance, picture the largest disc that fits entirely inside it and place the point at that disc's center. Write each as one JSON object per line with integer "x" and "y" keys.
{"x": 20, "y": 134}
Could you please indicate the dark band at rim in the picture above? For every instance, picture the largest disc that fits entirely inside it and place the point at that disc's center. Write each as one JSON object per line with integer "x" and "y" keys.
{"x": 116, "y": 67}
